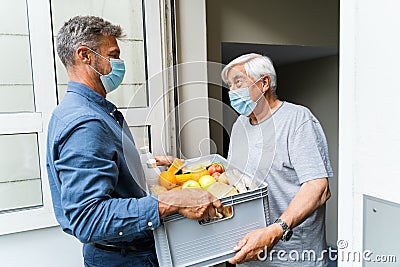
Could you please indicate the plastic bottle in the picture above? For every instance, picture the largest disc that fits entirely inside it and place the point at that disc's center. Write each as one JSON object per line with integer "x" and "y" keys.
{"x": 145, "y": 154}
{"x": 151, "y": 171}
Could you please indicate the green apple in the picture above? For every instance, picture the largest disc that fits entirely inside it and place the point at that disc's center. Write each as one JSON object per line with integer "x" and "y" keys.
{"x": 206, "y": 180}
{"x": 191, "y": 184}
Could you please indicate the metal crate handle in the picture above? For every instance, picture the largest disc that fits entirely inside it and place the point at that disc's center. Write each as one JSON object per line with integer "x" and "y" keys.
{"x": 227, "y": 214}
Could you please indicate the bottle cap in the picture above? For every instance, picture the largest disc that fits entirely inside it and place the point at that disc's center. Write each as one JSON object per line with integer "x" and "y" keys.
{"x": 151, "y": 163}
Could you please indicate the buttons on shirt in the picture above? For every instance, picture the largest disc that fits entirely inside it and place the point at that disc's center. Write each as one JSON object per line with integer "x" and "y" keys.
{"x": 120, "y": 233}
{"x": 150, "y": 224}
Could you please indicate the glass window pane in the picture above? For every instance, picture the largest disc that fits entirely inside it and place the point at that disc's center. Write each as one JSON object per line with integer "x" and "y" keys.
{"x": 141, "y": 135}
{"x": 18, "y": 22}
{"x": 132, "y": 93}
{"x": 16, "y": 88}
{"x": 129, "y": 96}
{"x": 21, "y": 194}
{"x": 16, "y": 98}
{"x": 20, "y": 181}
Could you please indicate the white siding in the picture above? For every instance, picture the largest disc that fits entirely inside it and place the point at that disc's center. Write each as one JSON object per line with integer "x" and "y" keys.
{"x": 369, "y": 128}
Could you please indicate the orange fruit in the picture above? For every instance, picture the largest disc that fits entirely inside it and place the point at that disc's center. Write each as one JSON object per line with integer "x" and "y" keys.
{"x": 167, "y": 179}
{"x": 182, "y": 178}
{"x": 175, "y": 166}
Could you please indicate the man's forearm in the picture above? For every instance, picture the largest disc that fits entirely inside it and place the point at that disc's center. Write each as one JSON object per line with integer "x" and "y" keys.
{"x": 312, "y": 195}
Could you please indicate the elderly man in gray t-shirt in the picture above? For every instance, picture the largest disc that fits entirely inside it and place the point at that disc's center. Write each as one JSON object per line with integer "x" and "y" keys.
{"x": 285, "y": 144}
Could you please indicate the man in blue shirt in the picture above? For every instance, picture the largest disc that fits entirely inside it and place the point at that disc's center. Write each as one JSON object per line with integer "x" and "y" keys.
{"x": 94, "y": 169}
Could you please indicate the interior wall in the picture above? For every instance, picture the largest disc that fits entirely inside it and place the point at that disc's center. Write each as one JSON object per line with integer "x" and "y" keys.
{"x": 314, "y": 84}
{"x": 285, "y": 22}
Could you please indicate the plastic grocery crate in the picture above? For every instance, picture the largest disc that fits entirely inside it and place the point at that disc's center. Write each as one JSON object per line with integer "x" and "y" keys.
{"x": 184, "y": 242}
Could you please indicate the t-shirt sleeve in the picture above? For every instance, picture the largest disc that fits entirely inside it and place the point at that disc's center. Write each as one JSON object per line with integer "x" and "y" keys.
{"x": 308, "y": 152}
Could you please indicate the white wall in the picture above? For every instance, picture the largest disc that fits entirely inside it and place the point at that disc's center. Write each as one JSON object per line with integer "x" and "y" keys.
{"x": 377, "y": 99}
{"x": 192, "y": 77}
{"x": 40, "y": 248}
{"x": 369, "y": 111}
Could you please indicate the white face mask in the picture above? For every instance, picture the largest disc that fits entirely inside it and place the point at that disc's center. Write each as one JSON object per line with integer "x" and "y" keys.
{"x": 242, "y": 102}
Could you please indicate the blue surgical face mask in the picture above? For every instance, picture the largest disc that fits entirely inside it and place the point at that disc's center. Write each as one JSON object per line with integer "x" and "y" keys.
{"x": 112, "y": 80}
{"x": 242, "y": 102}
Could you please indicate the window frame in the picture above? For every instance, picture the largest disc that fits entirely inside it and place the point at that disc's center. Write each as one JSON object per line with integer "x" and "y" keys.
{"x": 35, "y": 122}
{"x": 155, "y": 80}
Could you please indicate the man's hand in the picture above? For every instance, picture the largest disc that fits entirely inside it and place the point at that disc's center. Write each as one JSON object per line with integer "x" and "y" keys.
{"x": 250, "y": 246}
{"x": 164, "y": 160}
{"x": 193, "y": 203}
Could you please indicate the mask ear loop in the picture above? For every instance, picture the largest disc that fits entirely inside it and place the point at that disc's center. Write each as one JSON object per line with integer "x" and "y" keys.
{"x": 98, "y": 55}
{"x": 262, "y": 94}
{"x": 95, "y": 70}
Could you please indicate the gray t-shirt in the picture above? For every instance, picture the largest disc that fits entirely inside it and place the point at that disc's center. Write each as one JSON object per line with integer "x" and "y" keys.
{"x": 286, "y": 150}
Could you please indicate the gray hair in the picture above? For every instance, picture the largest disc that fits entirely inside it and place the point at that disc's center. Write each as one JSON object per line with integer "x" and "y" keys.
{"x": 83, "y": 30}
{"x": 256, "y": 66}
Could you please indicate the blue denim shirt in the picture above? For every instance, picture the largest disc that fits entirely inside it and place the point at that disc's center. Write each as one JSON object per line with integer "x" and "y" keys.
{"x": 93, "y": 168}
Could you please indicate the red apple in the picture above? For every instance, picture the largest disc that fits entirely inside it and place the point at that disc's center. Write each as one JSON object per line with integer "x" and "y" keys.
{"x": 216, "y": 175}
{"x": 215, "y": 167}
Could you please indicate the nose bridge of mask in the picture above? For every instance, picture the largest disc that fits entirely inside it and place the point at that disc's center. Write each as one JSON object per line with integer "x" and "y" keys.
{"x": 244, "y": 93}
{"x": 117, "y": 64}
{"x": 241, "y": 93}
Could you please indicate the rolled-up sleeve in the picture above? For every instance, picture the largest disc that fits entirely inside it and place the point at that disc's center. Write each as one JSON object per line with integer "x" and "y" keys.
{"x": 88, "y": 173}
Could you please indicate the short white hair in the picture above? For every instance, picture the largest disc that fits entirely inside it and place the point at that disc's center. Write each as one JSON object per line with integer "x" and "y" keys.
{"x": 255, "y": 65}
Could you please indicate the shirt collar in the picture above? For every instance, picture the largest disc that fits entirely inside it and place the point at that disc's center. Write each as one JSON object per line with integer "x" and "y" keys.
{"x": 267, "y": 119}
{"x": 91, "y": 95}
